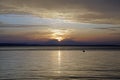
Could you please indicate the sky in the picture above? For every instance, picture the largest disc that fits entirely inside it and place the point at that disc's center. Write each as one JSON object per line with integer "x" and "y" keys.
{"x": 83, "y": 22}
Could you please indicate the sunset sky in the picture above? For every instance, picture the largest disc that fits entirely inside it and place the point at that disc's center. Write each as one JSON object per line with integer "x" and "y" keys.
{"x": 54, "y": 21}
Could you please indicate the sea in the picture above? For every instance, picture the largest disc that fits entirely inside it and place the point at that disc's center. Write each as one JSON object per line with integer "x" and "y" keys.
{"x": 60, "y": 63}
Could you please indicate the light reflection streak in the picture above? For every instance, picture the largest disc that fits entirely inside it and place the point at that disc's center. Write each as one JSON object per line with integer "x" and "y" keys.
{"x": 59, "y": 61}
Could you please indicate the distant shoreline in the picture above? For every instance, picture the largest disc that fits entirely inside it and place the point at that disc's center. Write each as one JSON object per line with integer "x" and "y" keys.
{"x": 35, "y": 48}
{"x": 58, "y": 45}
{"x": 17, "y": 45}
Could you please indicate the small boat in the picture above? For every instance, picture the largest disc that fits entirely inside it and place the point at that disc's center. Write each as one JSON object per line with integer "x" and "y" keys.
{"x": 83, "y": 50}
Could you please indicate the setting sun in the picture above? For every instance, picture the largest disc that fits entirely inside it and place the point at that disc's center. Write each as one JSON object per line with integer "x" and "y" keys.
{"x": 59, "y": 38}
{"x": 58, "y": 34}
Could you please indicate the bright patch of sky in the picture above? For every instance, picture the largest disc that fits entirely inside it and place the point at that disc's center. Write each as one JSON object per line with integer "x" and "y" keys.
{"x": 34, "y": 20}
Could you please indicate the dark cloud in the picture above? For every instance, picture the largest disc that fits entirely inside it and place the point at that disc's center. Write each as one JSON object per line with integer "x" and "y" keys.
{"x": 17, "y": 36}
{"x": 117, "y": 34}
{"x": 108, "y": 28}
{"x": 91, "y": 11}
{"x": 6, "y": 25}
{"x": 1, "y": 23}
{"x": 13, "y": 38}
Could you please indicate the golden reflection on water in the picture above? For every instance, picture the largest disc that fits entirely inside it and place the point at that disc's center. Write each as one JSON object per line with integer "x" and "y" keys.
{"x": 59, "y": 58}
{"x": 56, "y": 61}
{"x": 59, "y": 61}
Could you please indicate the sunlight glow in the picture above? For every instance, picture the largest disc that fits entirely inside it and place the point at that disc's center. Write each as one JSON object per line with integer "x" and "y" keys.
{"x": 59, "y": 38}
{"x": 59, "y": 34}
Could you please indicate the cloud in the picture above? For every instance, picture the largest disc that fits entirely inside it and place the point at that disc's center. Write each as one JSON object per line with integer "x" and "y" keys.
{"x": 88, "y": 11}
{"x": 7, "y": 25}
{"x": 117, "y": 34}
{"x": 24, "y": 36}
{"x": 115, "y": 28}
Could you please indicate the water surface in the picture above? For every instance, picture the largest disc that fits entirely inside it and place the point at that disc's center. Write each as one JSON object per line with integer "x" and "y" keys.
{"x": 42, "y": 63}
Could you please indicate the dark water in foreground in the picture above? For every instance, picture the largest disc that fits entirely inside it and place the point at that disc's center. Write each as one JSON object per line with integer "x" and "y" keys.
{"x": 42, "y": 63}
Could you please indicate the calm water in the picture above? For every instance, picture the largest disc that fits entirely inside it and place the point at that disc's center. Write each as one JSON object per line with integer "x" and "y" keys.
{"x": 34, "y": 63}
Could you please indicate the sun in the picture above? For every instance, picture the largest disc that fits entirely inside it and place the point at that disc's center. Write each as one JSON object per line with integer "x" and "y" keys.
{"x": 58, "y": 34}
{"x": 59, "y": 39}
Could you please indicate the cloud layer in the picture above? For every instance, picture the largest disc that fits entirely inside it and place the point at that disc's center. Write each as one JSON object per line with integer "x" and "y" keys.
{"x": 88, "y": 11}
